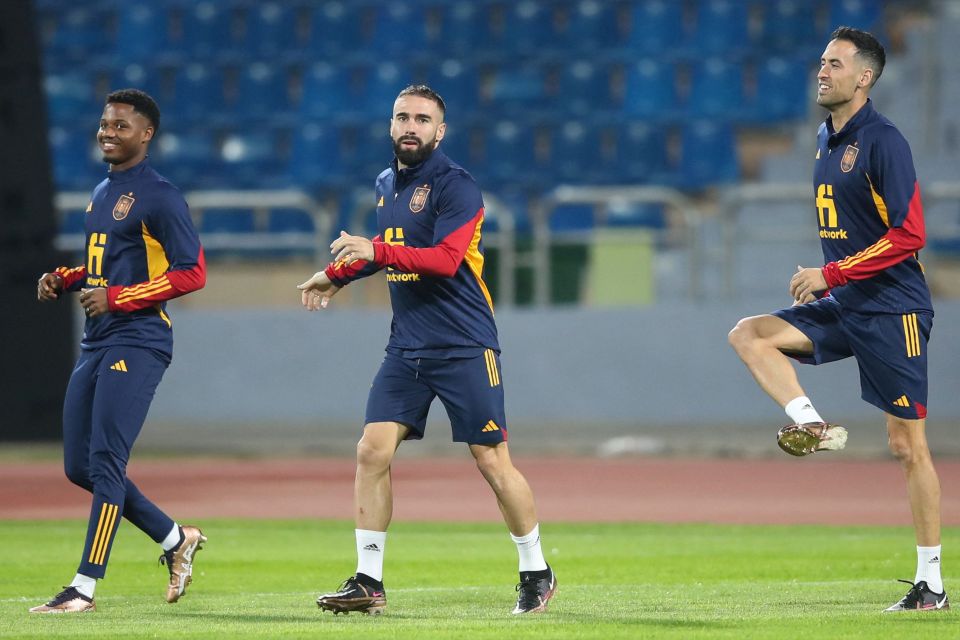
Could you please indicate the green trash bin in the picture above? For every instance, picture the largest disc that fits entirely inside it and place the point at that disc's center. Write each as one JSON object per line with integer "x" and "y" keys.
{"x": 620, "y": 268}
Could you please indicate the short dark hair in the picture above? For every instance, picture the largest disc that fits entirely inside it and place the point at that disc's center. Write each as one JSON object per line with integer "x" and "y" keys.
{"x": 868, "y": 47}
{"x": 423, "y": 91}
{"x": 141, "y": 102}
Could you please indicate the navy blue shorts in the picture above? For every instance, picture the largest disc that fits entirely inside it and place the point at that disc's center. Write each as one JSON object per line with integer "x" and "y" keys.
{"x": 469, "y": 388}
{"x": 890, "y": 349}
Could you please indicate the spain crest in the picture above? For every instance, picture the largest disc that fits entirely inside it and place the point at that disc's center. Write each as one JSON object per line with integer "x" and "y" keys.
{"x": 849, "y": 158}
{"x": 123, "y": 206}
{"x": 419, "y": 199}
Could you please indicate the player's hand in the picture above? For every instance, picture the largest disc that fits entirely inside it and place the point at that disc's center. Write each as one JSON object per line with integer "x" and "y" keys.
{"x": 351, "y": 248}
{"x": 49, "y": 287}
{"x": 806, "y": 283}
{"x": 94, "y": 302}
{"x": 316, "y": 292}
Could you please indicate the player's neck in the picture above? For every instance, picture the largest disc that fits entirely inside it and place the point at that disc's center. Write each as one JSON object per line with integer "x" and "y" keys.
{"x": 845, "y": 112}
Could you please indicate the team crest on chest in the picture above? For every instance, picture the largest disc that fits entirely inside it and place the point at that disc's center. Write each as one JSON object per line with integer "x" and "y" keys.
{"x": 849, "y": 158}
{"x": 419, "y": 199}
{"x": 123, "y": 206}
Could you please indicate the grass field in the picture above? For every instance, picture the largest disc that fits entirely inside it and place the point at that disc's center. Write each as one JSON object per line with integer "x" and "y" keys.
{"x": 259, "y": 579}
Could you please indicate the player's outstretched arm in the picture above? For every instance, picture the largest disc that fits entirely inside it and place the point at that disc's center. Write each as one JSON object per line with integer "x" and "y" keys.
{"x": 316, "y": 292}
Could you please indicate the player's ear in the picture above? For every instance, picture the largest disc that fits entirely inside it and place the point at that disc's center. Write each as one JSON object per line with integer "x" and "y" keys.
{"x": 147, "y": 134}
{"x": 866, "y": 78}
{"x": 441, "y": 131}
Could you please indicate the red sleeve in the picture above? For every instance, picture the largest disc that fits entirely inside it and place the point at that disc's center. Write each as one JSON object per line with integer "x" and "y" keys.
{"x": 441, "y": 260}
{"x": 895, "y": 246}
{"x": 172, "y": 284}
{"x": 342, "y": 274}
{"x": 72, "y": 278}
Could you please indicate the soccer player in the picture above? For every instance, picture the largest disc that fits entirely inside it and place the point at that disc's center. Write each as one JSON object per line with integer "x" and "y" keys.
{"x": 142, "y": 250}
{"x": 443, "y": 342}
{"x": 869, "y": 300}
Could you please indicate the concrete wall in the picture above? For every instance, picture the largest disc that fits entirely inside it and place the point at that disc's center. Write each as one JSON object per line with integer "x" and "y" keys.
{"x": 667, "y": 364}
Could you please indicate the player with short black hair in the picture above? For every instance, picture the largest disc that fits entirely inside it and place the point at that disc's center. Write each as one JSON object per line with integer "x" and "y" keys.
{"x": 869, "y": 301}
{"x": 443, "y": 343}
{"x": 141, "y": 250}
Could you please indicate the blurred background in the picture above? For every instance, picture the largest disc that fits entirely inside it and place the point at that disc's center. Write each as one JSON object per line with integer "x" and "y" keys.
{"x": 645, "y": 164}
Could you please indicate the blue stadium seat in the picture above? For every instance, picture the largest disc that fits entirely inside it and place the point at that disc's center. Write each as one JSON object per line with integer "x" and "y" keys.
{"x": 198, "y": 92}
{"x": 721, "y": 28}
{"x": 75, "y": 33}
{"x": 716, "y": 90}
{"x": 572, "y": 217}
{"x": 143, "y": 30}
{"x": 526, "y": 27}
{"x": 209, "y": 30}
{"x": 262, "y": 90}
{"x": 290, "y": 221}
{"x": 379, "y": 88}
{"x": 457, "y": 82}
{"x": 783, "y": 90}
{"x": 142, "y": 76}
{"x": 518, "y": 88}
{"x": 512, "y": 154}
{"x": 862, "y": 14}
{"x": 70, "y": 98}
{"x": 251, "y": 158}
{"x": 642, "y": 153}
{"x": 465, "y": 27}
{"x": 315, "y": 157}
{"x": 656, "y": 27}
{"x": 592, "y": 26}
{"x": 789, "y": 26}
{"x": 708, "y": 155}
{"x": 187, "y": 157}
{"x": 326, "y": 91}
{"x": 73, "y": 223}
{"x": 75, "y": 158}
{"x": 650, "y": 90}
{"x": 270, "y": 28}
{"x": 399, "y": 25}
{"x": 227, "y": 221}
{"x": 651, "y": 216}
{"x": 585, "y": 152}
{"x": 584, "y": 87}
{"x": 373, "y": 151}
{"x": 335, "y": 27}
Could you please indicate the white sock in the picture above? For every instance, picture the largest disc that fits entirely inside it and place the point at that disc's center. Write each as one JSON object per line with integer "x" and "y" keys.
{"x": 84, "y": 584}
{"x": 528, "y": 546}
{"x": 928, "y": 567}
{"x": 801, "y": 411}
{"x": 370, "y": 548}
{"x": 172, "y": 539}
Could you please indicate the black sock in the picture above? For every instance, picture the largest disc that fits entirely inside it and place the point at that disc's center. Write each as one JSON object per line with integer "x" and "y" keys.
{"x": 364, "y": 579}
{"x": 539, "y": 575}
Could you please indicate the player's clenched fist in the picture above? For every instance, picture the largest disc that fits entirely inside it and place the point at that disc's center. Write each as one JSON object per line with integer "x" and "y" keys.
{"x": 49, "y": 287}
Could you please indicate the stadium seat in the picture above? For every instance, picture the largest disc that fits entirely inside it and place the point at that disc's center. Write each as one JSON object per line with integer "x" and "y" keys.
{"x": 144, "y": 76}
{"x": 584, "y": 88}
{"x": 209, "y": 30}
{"x": 708, "y": 155}
{"x": 585, "y": 152}
{"x": 75, "y": 158}
{"x": 143, "y": 30}
{"x": 187, "y": 157}
{"x": 290, "y": 221}
{"x": 789, "y": 27}
{"x": 198, "y": 92}
{"x": 251, "y": 158}
{"x": 70, "y": 98}
{"x": 335, "y": 27}
{"x": 650, "y": 91}
{"x": 716, "y": 90}
{"x": 226, "y": 221}
{"x": 656, "y": 27}
{"x": 862, "y": 14}
{"x": 466, "y": 28}
{"x": 379, "y": 87}
{"x": 784, "y": 89}
{"x": 270, "y": 29}
{"x": 315, "y": 157}
{"x": 513, "y": 154}
{"x": 720, "y": 28}
{"x": 73, "y": 33}
{"x": 518, "y": 88}
{"x": 398, "y": 26}
{"x": 641, "y": 153}
{"x": 262, "y": 91}
{"x": 326, "y": 91}
{"x": 457, "y": 82}
{"x": 592, "y": 27}
{"x": 525, "y": 27}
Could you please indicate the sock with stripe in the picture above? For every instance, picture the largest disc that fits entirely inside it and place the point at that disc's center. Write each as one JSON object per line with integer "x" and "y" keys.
{"x": 928, "y": 567}
{"x": 528, "y": 548}
{"x": 370, "y": 549}
{"x": 801, "y": 411}
{"x": 84, "y": 584}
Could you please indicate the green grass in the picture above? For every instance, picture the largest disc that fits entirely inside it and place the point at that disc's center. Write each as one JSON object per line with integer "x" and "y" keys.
{"x": 259, "y": 579}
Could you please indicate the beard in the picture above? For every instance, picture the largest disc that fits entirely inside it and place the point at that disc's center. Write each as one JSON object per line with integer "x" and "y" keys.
{"x": 411, "y": 157}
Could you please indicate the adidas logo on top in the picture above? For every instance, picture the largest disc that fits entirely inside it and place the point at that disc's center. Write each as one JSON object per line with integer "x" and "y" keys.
{"x": 119, "y": 365}
{"x": 371, "y": 547}
{"x": 934, "y": 560}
